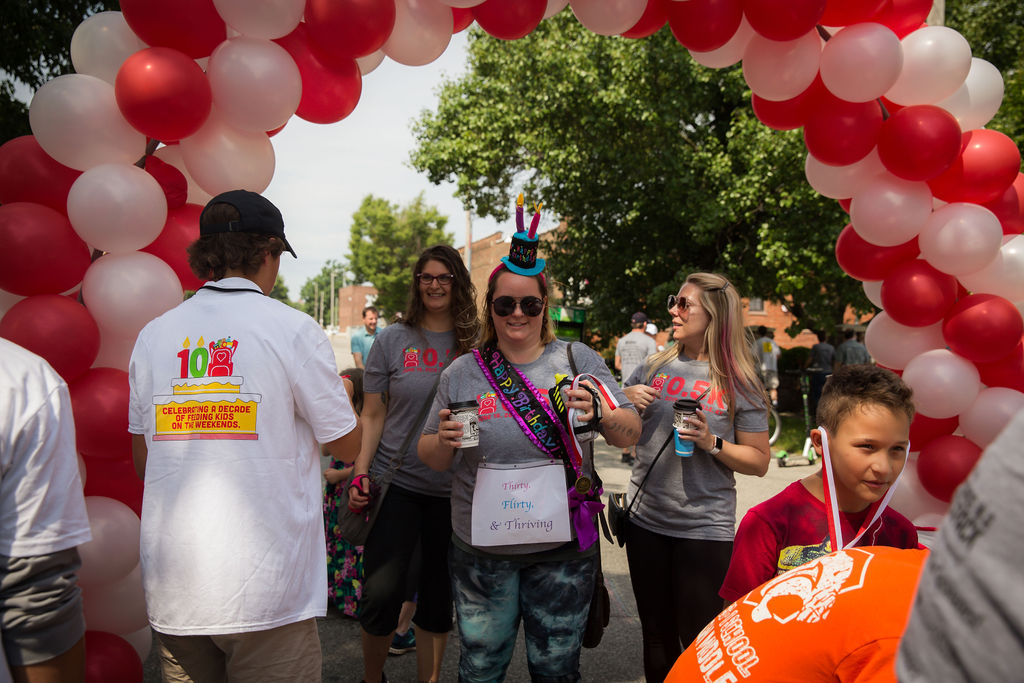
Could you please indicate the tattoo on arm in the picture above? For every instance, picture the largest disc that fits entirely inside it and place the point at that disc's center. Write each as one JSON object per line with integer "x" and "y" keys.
{"x": 621, "y": 429}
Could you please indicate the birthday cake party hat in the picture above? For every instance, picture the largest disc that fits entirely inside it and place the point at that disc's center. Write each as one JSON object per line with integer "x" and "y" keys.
{"x": 522, "y": 254}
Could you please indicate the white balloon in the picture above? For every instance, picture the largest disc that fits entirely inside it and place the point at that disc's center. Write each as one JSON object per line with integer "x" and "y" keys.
{"x": 1004, "y": 275}
{"x": 960, "y": 238}
{"x": 101, "y": 43}
{"x": 861, "y": 62}
{"x": 554, "y": 7}
{"x": 423, "y": 29}
{"x": 936, "y": 60}
{"x": 370, "y": 62}
{"x": 118, "y": 607}
{"x": 76, "y": 121}
{"x": 115, "y": 351}
{"x": 255, "y": 83}
{"x": 978, "y": 99}
{"x": 114, "y": 548}
{"x": 990, "y": 413}
{"x": 117, "y": 207}
{"x": 608, "y": 17}
{"x": 873, "y": 291}
{"x": 171, "y": 154}
{"x": 887, "y": 210}
{"x": 220, "y": 157}
{"x": 894, "y": 345}
{"x": 780, "y": 71}
{"x": 141, "y": 640}
{"x": 842, "y": 182}
{"x": 731, "y": 52}
{"x": 261, "y": 18}
{"x": 944, "y": 383}
{"x": 123, "y": 292}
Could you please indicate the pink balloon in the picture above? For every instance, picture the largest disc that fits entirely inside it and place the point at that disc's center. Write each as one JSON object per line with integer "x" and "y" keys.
{"x": 266, "y": 20}
{"x": 171, "y": 155}
{"x": 990, "y": 413}
{"x": 944, "y": 383}
{"x": 960, "y": 238}
{"x": 861, "y": 62}
{"x": 423, "y": 29}
{"x": 783, "y": 20}
{"x": 117, "y": 207}
{"x": 841, "y": 182}
{"x": 255, "y": 82}
{"x": 888, "y": 211}
{"x": 608, "y": 17}
{"x": 780, "y": 70}
{"x": 125, "y": 291}
{"x": 116, "y": 607}
{"x": 101, "y": 43}
{"x": 221, "y": 157}
{"x": 114, "y": 549}
{"x": 1004, "y": 275}
{"x": 342, "y": 30}
{"x": 936, "y": 61}
{"x": 894, "y": 345}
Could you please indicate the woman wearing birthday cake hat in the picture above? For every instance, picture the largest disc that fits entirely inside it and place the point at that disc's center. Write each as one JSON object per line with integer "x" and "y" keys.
{"x": 525, "y": 499}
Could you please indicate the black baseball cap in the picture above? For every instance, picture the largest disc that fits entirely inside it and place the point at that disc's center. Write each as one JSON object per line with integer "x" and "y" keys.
{"x": 639, "y": 318}
{"x": 256, "y": 215}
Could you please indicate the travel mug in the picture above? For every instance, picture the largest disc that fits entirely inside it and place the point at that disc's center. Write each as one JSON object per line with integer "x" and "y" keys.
{"x": 466, "y": 413}
{"x": 684, "y": 409}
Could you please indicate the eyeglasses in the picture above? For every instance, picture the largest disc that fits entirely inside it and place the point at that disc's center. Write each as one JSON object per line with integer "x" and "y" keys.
{"x": 531, "y": 306}
{"x": 427, "y": 279}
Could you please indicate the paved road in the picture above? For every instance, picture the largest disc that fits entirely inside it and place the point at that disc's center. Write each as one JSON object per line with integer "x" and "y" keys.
{"x": 616, "y": 660}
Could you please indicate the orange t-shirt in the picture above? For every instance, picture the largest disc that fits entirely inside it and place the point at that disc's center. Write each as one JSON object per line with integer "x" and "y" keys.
{"x": 838, "y": 618}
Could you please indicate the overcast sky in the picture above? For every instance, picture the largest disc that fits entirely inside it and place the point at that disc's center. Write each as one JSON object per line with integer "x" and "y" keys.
{"x": 324, "y": 171}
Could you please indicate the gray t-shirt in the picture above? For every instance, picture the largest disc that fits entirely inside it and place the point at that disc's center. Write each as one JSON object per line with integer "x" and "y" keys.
{"x": 692, "y": 497}
{"x": 633, "y": 349}
{"x": 822, "y": 355}
{"x": 967, "y": 622}
{"x": 403, "y": 362}
{"x": 852, "y": 352}
{"x": 501, "y": 439}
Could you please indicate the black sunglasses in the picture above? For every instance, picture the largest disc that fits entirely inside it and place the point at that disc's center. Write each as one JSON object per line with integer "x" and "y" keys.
{"x": 506, "y": 305}
{"x": 428, "y": 279}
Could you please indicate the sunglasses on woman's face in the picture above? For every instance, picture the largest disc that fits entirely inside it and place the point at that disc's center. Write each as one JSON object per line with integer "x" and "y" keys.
{"x": 506, "y": 305}
{"x": 674, "y": 301}
{"x": 426, "y": 279}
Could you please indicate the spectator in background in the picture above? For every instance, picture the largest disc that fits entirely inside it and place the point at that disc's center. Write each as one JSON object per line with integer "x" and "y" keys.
{"x": 42, "y": 521}
{"x": 819, "y": 364}
{"x": 652, "y": 331}
{"x": 767, "y": 353}
{"x": 851, "y": 352}
{"x": 363, "y": 339}
{"x": 630, "y": 352}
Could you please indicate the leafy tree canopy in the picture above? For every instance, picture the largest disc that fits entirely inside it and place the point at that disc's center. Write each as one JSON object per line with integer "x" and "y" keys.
{"x": 317, "y": 293}
{"x": 385, "y": 242}
{"x": 280, "y": 291}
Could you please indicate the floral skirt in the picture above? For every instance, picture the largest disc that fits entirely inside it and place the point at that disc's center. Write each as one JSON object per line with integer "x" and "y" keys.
{"x": 344, "y": 560}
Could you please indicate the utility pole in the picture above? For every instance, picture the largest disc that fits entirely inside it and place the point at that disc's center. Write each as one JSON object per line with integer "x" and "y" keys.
{"x": 469, "y": 243}
{"x": 334, "y": 298}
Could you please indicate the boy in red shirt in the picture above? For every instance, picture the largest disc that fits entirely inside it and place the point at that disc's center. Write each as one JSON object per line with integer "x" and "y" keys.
{"x": 864, "y": 413}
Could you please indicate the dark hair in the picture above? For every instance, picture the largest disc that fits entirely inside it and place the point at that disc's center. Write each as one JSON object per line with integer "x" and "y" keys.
{"x": 370, "y": 309}
{"x": 762, "y": 330}
{"x": 463, "y": 302}
{"x": 212, "y": 256}
{"x": 853, "y": 386}
{"x": 355, "y": 375}
{"x": 821, "y": 335}
{"x": 488, "y": 335}
{"x": 849, "y": 334}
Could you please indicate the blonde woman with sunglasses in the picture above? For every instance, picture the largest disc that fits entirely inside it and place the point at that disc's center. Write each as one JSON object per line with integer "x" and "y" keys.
{"x": 679, "y": 540}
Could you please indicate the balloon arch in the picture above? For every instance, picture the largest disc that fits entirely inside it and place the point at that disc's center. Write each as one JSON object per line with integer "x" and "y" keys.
{"x": 892, "y": 113}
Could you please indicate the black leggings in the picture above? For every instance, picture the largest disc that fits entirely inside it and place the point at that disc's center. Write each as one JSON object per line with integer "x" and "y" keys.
{"x": 676, "y": 582}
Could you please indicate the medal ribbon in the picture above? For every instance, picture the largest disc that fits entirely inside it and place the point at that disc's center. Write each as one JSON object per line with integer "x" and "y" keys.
{"x": 875, "y": 510}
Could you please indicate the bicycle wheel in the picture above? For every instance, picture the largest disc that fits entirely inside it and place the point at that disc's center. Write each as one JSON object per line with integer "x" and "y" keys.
{"x": 774, "y": 426}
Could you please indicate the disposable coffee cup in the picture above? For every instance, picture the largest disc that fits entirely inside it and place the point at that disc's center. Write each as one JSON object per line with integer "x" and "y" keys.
{"x": 683, "y": 410}
{"x": 466, "y": 413}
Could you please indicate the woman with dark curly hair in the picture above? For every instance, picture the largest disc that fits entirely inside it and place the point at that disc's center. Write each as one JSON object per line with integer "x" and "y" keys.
{"x": 402, "y": 369}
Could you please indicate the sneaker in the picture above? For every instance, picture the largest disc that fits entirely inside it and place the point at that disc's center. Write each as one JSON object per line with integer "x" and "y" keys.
{"x": 403, "y": 643}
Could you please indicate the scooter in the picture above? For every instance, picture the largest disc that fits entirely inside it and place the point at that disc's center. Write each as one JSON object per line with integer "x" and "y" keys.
{"x": 808, "y": 456}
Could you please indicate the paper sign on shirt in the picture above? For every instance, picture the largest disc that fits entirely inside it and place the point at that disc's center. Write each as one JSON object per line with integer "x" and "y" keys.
{"x": 516, "y": 504}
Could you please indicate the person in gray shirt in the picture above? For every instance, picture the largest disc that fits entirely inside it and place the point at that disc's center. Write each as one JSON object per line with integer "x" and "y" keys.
{"x": 630, "y": 351}
{"x": 851, "y": 352}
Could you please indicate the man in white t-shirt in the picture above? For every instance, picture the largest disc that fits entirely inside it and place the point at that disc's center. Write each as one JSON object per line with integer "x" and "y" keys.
{"x": 631, "y": 351}
{"x": 230, "y": 393}
{"x": 767, "y": 353}
{"x": 42, "y": 522}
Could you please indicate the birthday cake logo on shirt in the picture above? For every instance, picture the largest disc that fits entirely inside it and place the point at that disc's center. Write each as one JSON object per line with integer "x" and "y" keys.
{"x": 206, "y": 399}
{"x": 423, "y": 360}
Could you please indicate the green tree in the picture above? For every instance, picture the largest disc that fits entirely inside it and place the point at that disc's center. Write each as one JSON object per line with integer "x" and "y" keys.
{"x": 385, "y": 242}
{"x": 316, "y": 292}
{"x": 36, "y": 48}
{"x": 280, "y": 291}
{"x": 658, "y": 164}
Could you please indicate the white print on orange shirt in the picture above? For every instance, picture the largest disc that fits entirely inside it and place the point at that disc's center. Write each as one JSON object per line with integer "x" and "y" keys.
{"x": 724, "y": 637}
{"x": 807, "y": 593}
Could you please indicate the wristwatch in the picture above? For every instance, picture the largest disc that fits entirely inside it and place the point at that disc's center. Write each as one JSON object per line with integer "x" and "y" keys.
{"x": 717, "y": 448}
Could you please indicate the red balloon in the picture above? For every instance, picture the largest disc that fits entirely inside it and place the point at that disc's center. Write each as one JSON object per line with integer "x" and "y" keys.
{"x": 109, "y": 657}
{"x": 862, "y": 260}
{"x": 924, "y": 429}
{"x": 462, "y": 17}
{"x": 983, "y": 327}
{"x": 916, "y": 294}
{"x": 654, "y": 17}
{"x": 902, "y": 16}
{"x": 99, "y": 401}
{"x": 846, "y": 12}
{"x": 329, "y": 93}
{"x": 509, "y": 20}
{"x": 191, "y": 26}
{"x": 783, "y": 20}
{"x": 342, "y": 30}
{"x": 944, "y": 464}
{"x": 163, "y": 93}
{"x": 988, "y": 164}
{"x": 840, "y": 133}
{"x": 919, "y": 142}
{"x": 789, "y": 114}
{"x": 114, "y": 477}
{"x": 56, "y": 328}
{"x": 180, "y": 230}
{"x": 845, "y": 204}
{"x": 1007, "y": 371}
{"x": 171, "y": 180}
{"x": 704, "y": 25}
{"x": 1009, "y": 207}
{"x": 28, "y": 174}
{"x": 42, "y": 253}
